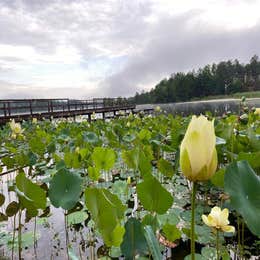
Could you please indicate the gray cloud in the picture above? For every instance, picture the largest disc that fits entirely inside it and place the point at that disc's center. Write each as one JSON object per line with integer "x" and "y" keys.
{"x": 12, "y": 90}
{"x": 85, "y": 24}
{"x": 111, "y": 28}
{"x": 177, "y": 46}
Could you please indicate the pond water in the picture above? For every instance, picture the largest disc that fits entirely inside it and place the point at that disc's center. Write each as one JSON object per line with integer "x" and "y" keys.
{"x": 217, "y": 106}
{"x": 52, "y": 235}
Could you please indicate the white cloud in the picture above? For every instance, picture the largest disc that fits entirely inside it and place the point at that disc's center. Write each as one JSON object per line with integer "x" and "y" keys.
{"x": 112, "y": 47}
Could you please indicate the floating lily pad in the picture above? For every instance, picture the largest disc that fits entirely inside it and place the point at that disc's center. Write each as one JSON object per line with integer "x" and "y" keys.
{"x": 90, "y": 137}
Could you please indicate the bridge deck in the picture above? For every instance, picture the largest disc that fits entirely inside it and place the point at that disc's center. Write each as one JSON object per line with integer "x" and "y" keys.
{"x": 24, "y": 109}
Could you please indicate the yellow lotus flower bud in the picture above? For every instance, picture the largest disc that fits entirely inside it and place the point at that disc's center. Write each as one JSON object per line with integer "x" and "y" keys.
{"x": 218, "y": 219}
{"x": 157, "y": 109}
{"x": 128, "y": 180}
{"x": 121, "y": 112}
{"x": 257, "y": 111}
{"x": 93, "y": 116}
{"x": 16, "y": 129}
{"x": 198, "y": 155}
{"x": 34, "y": 120}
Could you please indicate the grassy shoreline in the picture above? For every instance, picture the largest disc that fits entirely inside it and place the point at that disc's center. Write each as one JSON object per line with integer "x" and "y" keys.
{"x": 251, "y": 94}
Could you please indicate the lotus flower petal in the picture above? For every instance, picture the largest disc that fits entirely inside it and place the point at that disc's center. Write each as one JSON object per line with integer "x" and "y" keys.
{"x": 198, "y": 156}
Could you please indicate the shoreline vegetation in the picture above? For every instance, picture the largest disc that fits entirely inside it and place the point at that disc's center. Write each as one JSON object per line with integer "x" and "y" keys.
{"x": 214, "y": 106}
{"x": 238, "y": 95}
{"x": 225, "y": 79}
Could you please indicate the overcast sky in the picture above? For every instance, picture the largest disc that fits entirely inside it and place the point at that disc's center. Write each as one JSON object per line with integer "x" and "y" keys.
{"x": 97, "y": 48}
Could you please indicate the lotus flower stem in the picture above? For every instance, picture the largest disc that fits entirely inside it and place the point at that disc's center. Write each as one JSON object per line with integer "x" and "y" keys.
{"x": 193, "y": 196}
{"x": 217, "y": 244}
{"x": 14, "y": 228}
{"x": 66, "y": 233}
{"x": 34, "y": 233}
{"x": 243, "y": 238}
{"x": 20, "y": 234}
{"x": 238, "y": 235}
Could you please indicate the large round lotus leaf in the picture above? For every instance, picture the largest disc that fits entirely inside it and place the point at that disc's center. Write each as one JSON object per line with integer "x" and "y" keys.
{"x": 90, "y": 137}
{"x": 107, "y": 211}
{"x": 153, "y": 196}
{"x": 77, "y": 217}
{"x": 12, "y": 209}
{"x": 165, "y": 167}
{"x": 65, "y": 189}
{"x": 129, "y": 137}
{"x": 3, "y": 217}
{"x": 243, "y": 186}
{"x": 131, "y": 158}
{"x": 134, "y": 240}
{"x": 31, "y": 195}
{"x": 103, "y": 158}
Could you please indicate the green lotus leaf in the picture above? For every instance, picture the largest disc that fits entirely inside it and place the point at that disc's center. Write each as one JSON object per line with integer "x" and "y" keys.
{"x": 243, "y": 186}
{"x": 31, "y": 195}
{"x": 107, "y": 211}
{"x": 2, "y": 199}
{"x": 134, "y": 240}
{"x": 12, "y": 209}
{"x": 153, "y": 196}
{"x": 165, "y": 167}
{"x": 65, "y": 189}
{"x": 103, "y": 158}
{"x": 77, "y": 217}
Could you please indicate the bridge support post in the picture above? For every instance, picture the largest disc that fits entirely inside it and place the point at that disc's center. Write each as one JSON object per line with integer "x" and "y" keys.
{"x": 30, "y": 105}
{"x": 5, "y": 113}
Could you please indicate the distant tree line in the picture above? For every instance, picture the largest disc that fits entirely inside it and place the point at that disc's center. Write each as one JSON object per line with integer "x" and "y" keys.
{"x": 225, "y": 77}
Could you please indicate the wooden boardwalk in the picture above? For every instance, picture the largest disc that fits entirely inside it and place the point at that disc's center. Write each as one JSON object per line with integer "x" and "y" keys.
{"x": 24, "y": 109}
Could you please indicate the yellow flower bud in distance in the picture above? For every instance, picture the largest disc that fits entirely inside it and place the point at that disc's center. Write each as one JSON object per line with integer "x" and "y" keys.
{"x": 128, "y": 180}
{"x": 198, "y": 155}
{"x": 257, "y": 111}
{"x": 157, "y": 109}
{"x": 16, "y": 129}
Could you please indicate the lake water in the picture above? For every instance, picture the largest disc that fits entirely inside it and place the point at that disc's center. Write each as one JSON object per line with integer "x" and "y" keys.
{"x": 217, "y": 106}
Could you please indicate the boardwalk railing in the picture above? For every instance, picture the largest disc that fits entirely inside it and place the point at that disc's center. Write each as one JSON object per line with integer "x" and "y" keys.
{"x": 28, "y": 108}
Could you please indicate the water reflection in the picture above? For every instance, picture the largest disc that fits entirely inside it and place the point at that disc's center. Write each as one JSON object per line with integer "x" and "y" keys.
{"x": 50, "y": 233}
